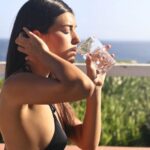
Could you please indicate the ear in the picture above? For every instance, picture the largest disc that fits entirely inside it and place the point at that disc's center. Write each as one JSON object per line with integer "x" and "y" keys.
{"x": 38, "y": 33}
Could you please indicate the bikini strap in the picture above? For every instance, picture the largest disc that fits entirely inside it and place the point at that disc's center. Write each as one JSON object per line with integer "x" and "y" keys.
{"x": 53, "y": 108}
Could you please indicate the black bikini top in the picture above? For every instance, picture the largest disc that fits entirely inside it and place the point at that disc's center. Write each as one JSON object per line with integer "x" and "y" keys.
{"x": 59, "y": 140}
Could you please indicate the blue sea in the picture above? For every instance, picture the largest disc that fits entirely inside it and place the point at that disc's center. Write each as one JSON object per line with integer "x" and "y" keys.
{"x": 124, "y": 50}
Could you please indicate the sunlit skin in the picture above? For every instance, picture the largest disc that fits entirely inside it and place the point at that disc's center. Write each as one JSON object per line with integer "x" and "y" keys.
{"x": 61, "y": 39}
{"x": 27, "y": 103}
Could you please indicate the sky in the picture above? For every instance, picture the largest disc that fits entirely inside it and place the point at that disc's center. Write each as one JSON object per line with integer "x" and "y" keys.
{"x": 107, "y": 19}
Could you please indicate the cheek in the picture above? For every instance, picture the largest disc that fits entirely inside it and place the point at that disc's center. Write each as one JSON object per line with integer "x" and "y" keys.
{"x": 58, "y": 44}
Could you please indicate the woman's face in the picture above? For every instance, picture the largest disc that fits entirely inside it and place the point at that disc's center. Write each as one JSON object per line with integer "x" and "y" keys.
{"x": 62, "y": 38}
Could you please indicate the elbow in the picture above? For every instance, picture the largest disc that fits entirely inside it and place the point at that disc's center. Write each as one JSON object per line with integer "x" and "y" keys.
{"x": 79, "y": 88}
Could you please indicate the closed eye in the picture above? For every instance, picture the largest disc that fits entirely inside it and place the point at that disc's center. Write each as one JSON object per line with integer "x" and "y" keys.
{"x": 67, "y": 29}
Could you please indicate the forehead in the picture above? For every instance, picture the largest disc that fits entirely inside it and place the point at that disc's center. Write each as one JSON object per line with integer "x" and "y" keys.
{"x": 65, "y": 19}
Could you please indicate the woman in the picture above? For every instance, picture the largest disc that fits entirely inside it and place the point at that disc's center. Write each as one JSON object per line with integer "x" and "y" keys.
{"x": 41, "y": 79}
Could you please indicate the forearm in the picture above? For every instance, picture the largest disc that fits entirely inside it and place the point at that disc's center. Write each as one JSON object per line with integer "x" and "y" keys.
{"x": 58, "y": 66}
{"x": 91, "y": 128}
{"x": 67, "y": 73}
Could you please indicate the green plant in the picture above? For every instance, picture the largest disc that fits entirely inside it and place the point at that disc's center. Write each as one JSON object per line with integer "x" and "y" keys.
{"x": 1, "y": 82}
{"x": 125, "y": 105}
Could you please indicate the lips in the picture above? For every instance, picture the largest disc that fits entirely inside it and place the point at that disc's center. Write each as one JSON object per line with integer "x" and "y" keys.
{"x": 73, "y": 49}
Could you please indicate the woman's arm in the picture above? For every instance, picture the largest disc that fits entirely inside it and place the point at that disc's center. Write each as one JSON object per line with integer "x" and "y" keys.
{"x": 87, "y": 134}
{"x": 26, "y": 88}
{"x": 91, "y": 128}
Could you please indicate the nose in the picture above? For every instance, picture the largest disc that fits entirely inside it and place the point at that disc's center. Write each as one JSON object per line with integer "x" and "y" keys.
{"x": 75, "y": 38}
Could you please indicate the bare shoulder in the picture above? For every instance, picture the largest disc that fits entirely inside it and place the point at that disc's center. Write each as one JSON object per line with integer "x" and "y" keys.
{"x": 16, "y": 84}
{"x": 14, "y": 81}
{"x": 19, "y": 78}
{"x": 28, "y": 88}
{"x": 22, "y": 80}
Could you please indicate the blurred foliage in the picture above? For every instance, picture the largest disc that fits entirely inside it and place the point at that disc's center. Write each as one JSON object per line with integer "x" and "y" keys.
{"x": 125, "y": 107}
{"x": 1, "y": 82}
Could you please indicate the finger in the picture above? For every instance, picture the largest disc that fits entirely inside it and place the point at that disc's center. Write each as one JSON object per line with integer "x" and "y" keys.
{"x": 17, "y": 41}
{"x": 21, "y": 49}
{"x": 107, "y": 47}
{"x": 24, "y": 34}
{"x": 21, "y": 40}
{"x": 29, "y": 33}
{"x": 113, "y": 55}
{"x": 88, "y": 59}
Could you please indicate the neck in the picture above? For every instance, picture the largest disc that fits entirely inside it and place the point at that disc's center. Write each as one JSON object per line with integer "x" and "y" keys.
{"x": 39, "y": 70}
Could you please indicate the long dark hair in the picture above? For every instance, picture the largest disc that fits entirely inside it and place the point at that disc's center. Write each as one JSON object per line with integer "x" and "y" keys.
{"x": 36, "y": 15}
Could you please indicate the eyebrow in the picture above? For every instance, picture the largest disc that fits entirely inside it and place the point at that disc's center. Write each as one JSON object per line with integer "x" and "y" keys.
{"x": 69, "y": 25}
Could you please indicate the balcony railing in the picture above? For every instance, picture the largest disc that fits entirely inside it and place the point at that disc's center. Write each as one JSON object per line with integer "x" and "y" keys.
{"x": 121, "y": 69}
